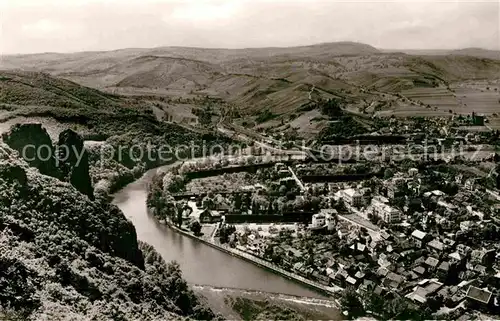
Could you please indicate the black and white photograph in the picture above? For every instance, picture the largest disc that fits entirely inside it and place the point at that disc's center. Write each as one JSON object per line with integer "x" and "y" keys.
{"x": 249, "y": 160}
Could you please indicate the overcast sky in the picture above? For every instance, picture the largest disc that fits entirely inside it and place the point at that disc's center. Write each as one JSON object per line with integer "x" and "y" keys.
{"x": 30, "y": 26}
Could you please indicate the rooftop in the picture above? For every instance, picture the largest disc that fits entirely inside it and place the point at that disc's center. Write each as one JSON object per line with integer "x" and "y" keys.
{"x": 418, "y": 234}
{"x": 351, "y": 192}
{"x": 478, "y": 294}
{"x": 432, "y": 261}
{"x": 436, "y": 244}
{"x": 437, "y": 193}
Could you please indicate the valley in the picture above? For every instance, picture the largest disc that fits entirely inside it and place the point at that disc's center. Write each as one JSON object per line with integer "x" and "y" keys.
{"x": 119, "y": 109}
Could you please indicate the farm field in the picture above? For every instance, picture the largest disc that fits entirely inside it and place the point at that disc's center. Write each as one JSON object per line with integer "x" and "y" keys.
{"x": 440, "y": 98}
{"x": 180, "y": 113}
{"x": 309, "y": 123}
{"x": 412, "y": 110}
{"x": 480, "y": 101}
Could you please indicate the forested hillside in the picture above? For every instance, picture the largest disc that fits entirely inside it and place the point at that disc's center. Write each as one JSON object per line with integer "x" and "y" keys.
{"x": 65, "y": 256}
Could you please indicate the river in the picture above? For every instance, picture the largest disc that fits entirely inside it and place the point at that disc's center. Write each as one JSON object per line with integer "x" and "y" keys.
{"x": 200, "y": 263}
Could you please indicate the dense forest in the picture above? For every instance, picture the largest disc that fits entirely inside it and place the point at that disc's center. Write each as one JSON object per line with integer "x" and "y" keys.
{"x": 64, "y": 255}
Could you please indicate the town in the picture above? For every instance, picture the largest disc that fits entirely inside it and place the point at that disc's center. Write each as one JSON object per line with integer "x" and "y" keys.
{"x": 415, "y": 237}
{"x": 250, "y": 160}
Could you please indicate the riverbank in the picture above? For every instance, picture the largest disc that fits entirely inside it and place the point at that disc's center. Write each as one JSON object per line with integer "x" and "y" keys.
{"x": 329, "y": 291}
{"x": 237, "y": 304}
{"x": 201, "y": 264}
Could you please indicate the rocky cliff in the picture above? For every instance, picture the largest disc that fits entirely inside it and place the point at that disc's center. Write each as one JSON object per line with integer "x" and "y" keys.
{"x": 75, "y": 167}
{"x": 67, "y": 160}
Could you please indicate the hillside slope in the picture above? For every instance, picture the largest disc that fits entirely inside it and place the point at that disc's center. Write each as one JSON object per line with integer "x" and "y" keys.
{"x": 34, "y": 88}
{"x": 471, "y": 52}
{"x": 112, "y": 123}
{"x": 281, "y": 80}
{"x": 63, "y": 256}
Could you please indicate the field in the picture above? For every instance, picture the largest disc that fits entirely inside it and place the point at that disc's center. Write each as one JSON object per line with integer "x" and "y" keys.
{"x": 408, "y": 110}
{"x": 179, "y": 113}
{"x": 439, "y": 98}
{"x": 481, "y": 101}
{"x": 460, "y": 98}
{"x": 279, "y": 79}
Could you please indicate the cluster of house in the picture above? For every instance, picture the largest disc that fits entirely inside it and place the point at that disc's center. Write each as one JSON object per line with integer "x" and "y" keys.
{"x": 418, "y": 263}
{"x": 420, "y": 257}
{"x": 418, "y": 267}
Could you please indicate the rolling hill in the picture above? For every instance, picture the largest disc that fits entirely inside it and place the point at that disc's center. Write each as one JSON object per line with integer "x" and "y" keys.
{"x": 471, "y": 52}
{"x": 281, "y": 80}
{"x": 33, "y": 88}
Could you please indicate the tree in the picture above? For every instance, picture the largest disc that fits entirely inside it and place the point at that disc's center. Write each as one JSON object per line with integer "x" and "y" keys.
{"x": 373, "y": 218}
{"x": 208, "y": 202}
{"x": 434, "y": 302}
{"x": 237, "y": 201}
{"x": 331, "y": 108}
{"x": 225, "y": 231}
{"x": 299, "y": 203}
{"x": 205, "y": 115}
{"x": 282, "y": 190}
{"x": 315, "y": 203}
{"x": 399, "y": 201}
{"x": 388, "y": 173}
{"x": 350, "y": 302}
{"x": 374, "y": 302}
{"x": 195, "y": 227}
{"x": 180, "y": 210}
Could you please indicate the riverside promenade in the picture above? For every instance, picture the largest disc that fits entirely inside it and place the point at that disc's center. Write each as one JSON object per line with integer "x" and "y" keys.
{"x": 328, "y": 290}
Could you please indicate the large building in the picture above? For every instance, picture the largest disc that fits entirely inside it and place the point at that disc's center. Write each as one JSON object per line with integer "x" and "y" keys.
{"x": 330, "y": 218}
{"x": 382, "y": 209}
{"x": 395, "y": 187}
{"x": 352, "y": 197}
{"x": 318, "y": 220}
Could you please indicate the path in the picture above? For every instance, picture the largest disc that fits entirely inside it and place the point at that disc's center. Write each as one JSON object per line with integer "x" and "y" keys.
{"x": 299, "y": 182}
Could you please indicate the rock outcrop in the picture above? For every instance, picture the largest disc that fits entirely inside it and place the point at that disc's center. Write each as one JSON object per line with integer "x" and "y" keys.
{"x": 74, "y": 161}
{"x": 67, "y": 161}
{"x": 34, "y": 145}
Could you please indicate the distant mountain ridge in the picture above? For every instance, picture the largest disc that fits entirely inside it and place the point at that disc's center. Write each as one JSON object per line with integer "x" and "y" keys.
{"x": 472, "y": 52}
{"x": 338, "y": 48}
{"x": 280, "y": 79}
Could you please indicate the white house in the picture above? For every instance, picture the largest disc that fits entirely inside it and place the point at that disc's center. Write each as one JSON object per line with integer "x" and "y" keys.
{"x": 318, "y": 220}
{"x": 419, "y": 237}
{"x": 382, "y": 209}
{"x": 352, "y": 197}
{"x": 330, "y": 215}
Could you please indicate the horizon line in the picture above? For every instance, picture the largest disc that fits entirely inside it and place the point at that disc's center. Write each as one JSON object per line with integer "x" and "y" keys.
{"x": 382, "y": 50}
